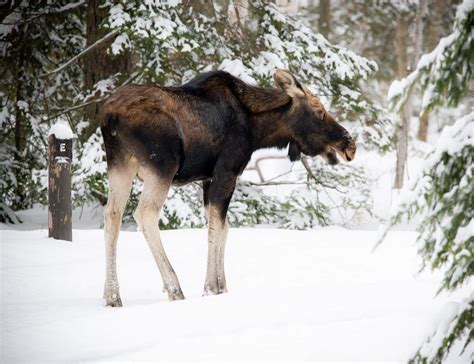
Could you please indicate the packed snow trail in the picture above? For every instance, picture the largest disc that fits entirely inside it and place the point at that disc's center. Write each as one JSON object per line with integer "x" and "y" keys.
{"x": 313, "y": 295}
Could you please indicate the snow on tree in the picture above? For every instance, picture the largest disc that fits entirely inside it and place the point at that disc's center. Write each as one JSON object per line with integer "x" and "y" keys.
{"x": 444, "y": 73}
{"x": 174, "y": 41}
{"x": 33, "y": 37}
{"x": 169, "y": 43}
{"x": 443, "y": 195}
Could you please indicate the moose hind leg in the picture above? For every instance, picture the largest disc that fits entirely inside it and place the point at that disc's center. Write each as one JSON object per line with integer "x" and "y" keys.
{"x": 120, "y": 184}
{"x": 147, "y": 216}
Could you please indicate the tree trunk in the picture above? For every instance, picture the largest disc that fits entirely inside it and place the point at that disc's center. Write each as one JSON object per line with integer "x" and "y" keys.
{"x": 423, "y": 127}
{"x": 420, "y": 15}
{"x": 237, "y": 13}
{"x": 19, "y": 123}
{"x": 402, "y": 131}
{"x": 324, "y": 18}
{"x": 435, "y": 22}
{"x": 21, "y": 128}
{"x": 405, "y": 115}
{"x": 289, "y": 7}
{"x": 98, "y": 64}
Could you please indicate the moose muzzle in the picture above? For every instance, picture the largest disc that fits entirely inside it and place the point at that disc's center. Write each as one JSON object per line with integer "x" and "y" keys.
{"x": 346, "y": 149}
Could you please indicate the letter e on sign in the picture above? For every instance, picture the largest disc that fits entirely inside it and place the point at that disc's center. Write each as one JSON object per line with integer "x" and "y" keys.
{"x": 62, "y": 147}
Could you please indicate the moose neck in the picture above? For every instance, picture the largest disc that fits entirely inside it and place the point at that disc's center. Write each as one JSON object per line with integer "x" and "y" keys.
{"x": 270, "y": 109}
{"x": 270, "y": 128}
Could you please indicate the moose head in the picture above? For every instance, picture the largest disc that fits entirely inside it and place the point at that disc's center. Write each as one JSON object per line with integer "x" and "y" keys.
{"x": 312, "y": 129}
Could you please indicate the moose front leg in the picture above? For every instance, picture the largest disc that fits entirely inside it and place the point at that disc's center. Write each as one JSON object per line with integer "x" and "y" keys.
{"x": 217, "y": 195}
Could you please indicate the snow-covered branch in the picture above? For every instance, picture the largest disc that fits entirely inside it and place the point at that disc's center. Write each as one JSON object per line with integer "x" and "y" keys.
{"x": 444, "y": 73}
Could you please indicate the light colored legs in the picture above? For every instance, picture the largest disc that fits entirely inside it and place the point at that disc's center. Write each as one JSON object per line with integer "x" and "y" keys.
{"x": 147, "y": 215}
{"x": 120, "y": 184}
{"x": 220, "y": 264}
{"x": 218, "y": 228}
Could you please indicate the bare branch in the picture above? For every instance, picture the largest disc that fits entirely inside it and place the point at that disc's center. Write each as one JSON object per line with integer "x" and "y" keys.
{"x": 310, "y": 173}
{"x": 308, "y": 169}
{"x": 275, "y": 183}
{"x": 85, "y": 51}
{"x": 80, "y": 106}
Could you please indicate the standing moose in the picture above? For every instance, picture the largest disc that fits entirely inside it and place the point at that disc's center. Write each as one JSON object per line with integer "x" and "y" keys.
{"x": 206, "y": 129}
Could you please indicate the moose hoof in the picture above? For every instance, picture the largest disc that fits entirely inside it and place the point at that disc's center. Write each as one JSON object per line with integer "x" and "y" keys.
{"x": 113, "y": 300}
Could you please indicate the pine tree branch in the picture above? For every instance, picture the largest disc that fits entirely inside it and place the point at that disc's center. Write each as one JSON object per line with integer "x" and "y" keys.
{"x": 35, "y": 16}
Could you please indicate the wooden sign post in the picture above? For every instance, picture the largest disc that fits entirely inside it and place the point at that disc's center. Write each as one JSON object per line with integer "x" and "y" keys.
{"x": 59, "y": 188}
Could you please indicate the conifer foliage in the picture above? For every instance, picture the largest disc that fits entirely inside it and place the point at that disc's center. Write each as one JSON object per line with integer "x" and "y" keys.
{"x": 443, "y": 194}
{"x": 169, "y": 42}
{"x": 444, "y": 73}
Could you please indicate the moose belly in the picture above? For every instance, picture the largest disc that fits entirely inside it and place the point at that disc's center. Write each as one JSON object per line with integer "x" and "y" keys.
{"x": 197, "y": 165}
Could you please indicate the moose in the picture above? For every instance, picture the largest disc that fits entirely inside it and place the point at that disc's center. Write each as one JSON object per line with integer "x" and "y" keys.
{"x": 205, "y": 130}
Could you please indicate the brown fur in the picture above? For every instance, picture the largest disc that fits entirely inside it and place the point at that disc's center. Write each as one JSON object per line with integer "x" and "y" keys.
{"x": 204, "y": 130}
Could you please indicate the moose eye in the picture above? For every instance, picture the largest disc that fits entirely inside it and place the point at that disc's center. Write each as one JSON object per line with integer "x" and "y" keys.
{"x": 319, "y": 114}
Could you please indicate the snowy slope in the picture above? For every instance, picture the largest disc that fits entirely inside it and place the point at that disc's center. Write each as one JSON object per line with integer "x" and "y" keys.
{"x": 314, "y": 295}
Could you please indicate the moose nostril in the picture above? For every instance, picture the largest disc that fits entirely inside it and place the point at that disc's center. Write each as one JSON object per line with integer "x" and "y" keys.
{"x": 349, "y": 154}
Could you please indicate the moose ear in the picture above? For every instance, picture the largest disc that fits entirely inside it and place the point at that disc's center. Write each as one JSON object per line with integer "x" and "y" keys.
{"x": 288, "y": 83}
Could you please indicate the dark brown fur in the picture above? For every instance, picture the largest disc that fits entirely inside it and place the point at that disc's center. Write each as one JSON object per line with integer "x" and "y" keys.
{"x": 208, "y": 128}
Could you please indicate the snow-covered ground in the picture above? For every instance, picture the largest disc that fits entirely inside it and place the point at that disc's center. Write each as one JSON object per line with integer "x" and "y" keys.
{"x": 313, "y": 295}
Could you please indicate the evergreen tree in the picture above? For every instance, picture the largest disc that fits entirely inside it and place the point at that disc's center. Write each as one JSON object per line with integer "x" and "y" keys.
{"x": 34, "y": 36}
{"x": 169, "y": 43}
{"x": 443, "y": 195}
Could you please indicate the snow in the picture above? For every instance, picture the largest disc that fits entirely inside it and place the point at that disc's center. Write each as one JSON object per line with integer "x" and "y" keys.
{"x": 464, "y": 8}
{"x": 61, "y": 130}
{"x": 119, "y": 43}
{"x": 9, "y": 23}
{"x": 453, "y": 140}
{"x": 238, "y": 69}
{"x": 446, "y": 324}
{"x": 118, "y": 16}
{"x": 69, "y": 6}
{"x": 275, "y": 166}
{"x": 430, "y": 64}
{"x": 429, "y": 349}
{"x": 293, "y": 295}
{"x": 462, "y": 132}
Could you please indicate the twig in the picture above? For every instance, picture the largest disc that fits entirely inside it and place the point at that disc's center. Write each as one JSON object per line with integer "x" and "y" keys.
{"x": 308, "y": 169}
{"x": 275, "y": 183}
{"x": 76, "y": 107}
{"x": 72, "y": 108}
